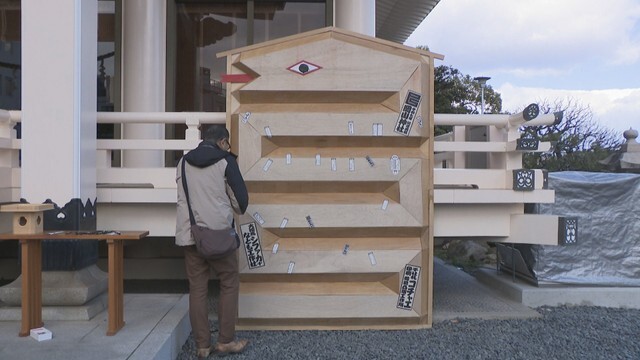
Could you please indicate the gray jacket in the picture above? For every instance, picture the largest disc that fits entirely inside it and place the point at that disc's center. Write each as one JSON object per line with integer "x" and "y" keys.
{"x": 216, "y": 190}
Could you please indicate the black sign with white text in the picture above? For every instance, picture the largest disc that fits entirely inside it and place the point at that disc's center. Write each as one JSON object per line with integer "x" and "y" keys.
{"x": 408, "y": 113}
{"x": 252, "y": 247}
{"x": 408, "y": 287}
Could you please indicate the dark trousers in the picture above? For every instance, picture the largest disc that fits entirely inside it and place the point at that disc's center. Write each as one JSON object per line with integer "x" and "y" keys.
{"x": 198, "y": 270}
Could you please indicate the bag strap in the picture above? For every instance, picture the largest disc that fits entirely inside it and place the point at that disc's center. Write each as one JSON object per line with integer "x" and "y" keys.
{"x": 192, "y": 220}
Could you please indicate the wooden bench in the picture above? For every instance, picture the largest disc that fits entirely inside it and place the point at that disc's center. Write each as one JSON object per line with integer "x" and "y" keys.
{"x": 31, "y": 246}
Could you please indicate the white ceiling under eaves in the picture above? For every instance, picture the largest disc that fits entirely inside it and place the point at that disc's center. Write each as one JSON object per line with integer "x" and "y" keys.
{"x": 397, "y": 19}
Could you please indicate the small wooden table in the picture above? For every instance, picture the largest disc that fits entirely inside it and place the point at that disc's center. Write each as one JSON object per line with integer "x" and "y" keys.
{"x": 31, "y": 246}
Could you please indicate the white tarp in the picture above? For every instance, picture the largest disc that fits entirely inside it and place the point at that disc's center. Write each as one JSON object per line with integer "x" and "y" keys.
{"x": 607, "y": 206}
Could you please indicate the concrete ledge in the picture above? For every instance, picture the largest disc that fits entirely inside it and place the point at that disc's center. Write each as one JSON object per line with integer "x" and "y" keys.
{"x": 157, "y": 326}
{"x": 167, "y": 338}
{"x": 557, "y": 295}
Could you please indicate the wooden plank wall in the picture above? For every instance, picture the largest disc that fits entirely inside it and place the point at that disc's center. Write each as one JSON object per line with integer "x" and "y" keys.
{"x": 331, "y": 228}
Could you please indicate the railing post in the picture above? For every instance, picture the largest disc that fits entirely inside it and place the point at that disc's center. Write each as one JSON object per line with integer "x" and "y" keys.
{"x": 193, "y": 128}
{"x": 9, "y": 158}
{"x": 459, "y": 158}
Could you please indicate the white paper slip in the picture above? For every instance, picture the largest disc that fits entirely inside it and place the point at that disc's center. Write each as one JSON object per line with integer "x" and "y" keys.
{"x": 288, "y": 159}
{"x": 372, "y": 258}
{"x": 352, "y": 164}
{"x": 350, "y": 126}
{"x": 291, "y": 265}
{"x": 394, "y": 163}
{"x": 245, "y": 117}
{"x": 379, "y": 129}
{"x": 284, "y": 222}
{"x": 317, "y": 159}
{"x": 334, "y": 164}
{"x": 258, "y": 218}
{"x": 275, "y": 248}
{"x": 374, "y": 130}
{"x": 267, "y": 165}
{"x": 267, "y": 131}
{"x": 385, "y": 204}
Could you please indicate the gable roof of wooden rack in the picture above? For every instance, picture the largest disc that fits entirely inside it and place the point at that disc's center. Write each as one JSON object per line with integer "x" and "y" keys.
{"x": 334, "y": 32}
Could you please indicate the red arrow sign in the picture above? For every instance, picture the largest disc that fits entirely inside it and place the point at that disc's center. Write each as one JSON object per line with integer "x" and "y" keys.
{"x": 236, "y": 78}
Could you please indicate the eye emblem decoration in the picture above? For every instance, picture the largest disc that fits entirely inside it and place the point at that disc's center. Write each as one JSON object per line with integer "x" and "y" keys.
{"x": 303, "y": 68}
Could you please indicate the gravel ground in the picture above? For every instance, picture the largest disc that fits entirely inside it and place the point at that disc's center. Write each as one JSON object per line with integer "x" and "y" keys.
{"x": 561, "y": 333}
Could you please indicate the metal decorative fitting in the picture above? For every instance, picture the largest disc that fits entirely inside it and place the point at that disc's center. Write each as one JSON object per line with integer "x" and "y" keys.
{"x": 527, "y": 144}
{"x": 524, "y": 180}
{"x": 567, "y": 231}
{"x": 531, "y": 112}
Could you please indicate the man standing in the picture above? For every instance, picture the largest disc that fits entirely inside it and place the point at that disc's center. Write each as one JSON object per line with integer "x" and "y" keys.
{"x": 216, "y": 190}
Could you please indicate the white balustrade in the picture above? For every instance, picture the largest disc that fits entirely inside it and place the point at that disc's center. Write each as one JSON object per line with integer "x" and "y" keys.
{"x": 452, "y": 173}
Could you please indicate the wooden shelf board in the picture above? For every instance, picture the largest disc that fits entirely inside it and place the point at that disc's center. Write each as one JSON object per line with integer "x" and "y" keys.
{"x": 316, "y": 288}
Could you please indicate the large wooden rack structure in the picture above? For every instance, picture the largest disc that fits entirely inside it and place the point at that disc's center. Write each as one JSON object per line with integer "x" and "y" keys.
{"x": 334, "y": 135}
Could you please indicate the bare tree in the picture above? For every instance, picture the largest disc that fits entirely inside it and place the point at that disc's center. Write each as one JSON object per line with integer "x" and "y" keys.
{"x": 578, "y": 141}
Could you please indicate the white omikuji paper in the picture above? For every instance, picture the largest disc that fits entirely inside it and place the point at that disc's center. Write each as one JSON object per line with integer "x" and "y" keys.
{"x": 267, "y": 165}
{"x": 377, "y": 129}
{"x": 291, "y": 265}
{"x": 394, "y": 164}
{"x": 258, "y": 218}
{"x": 245, "y": 117}
{"x": 372, "y": 258}
{"x": 385, "y": 204}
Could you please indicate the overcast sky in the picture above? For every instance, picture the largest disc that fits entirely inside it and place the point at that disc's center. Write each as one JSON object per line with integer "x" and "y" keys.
{"x": 587, "y": 50}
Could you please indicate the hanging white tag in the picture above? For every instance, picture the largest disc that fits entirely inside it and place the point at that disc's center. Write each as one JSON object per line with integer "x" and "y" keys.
{"x": 379, "y": 129}
{"x": 258, "y": 218}
{"x": 267, "y": 165}
{"x": 385, "y": 204}
{"x": 267, "y": 131}
{"x": 284, "y": 222}
{"x": 352, "y": 164}
{"x": 350, "y": 127}
{"x": 275, "y": 248}
{"x": 288, "y": 159}
{"x": 372, "y": 258}
{"x": 245, "y": 117}
{"x": 317, "y": 159}
{"x": 394, "y": 163}
{"x": 291, "y": 265}
{"x": 334, "y": 165}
